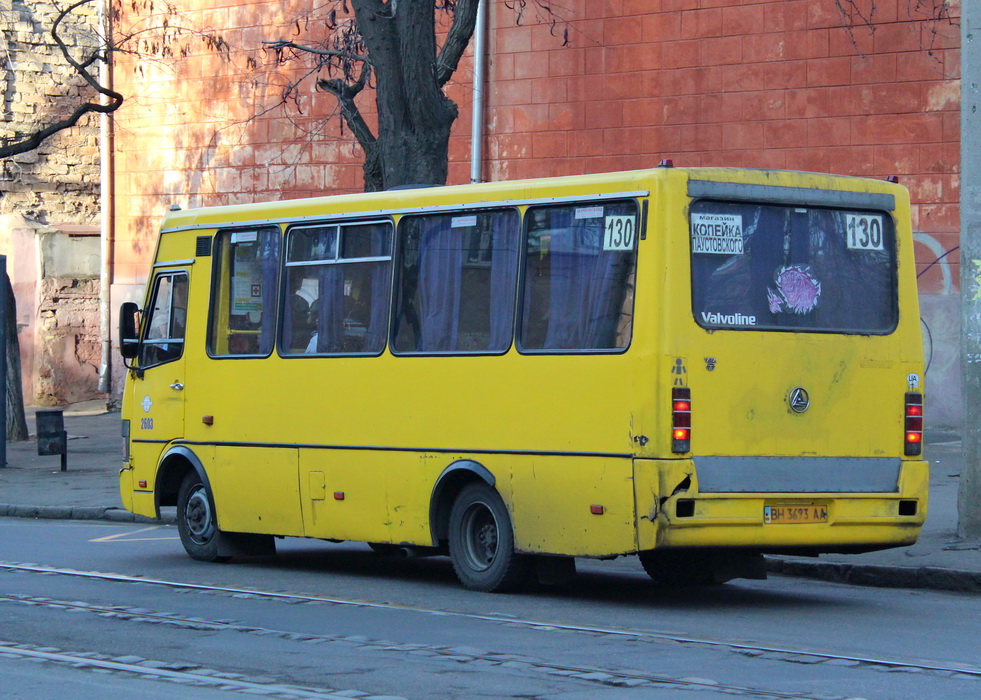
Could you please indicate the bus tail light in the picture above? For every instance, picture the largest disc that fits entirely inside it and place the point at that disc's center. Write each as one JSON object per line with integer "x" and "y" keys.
{"x": 680, "y": 419}
{"x": 914, "y": 423}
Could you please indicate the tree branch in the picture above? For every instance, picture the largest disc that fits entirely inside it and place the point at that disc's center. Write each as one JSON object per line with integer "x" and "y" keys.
{"x": 31, "y": 142}
{"x": 457, "y": 40}
{"x": 346, "y": 94}
{"x": 81, "y": 69}
{"x": 280, "y": 45}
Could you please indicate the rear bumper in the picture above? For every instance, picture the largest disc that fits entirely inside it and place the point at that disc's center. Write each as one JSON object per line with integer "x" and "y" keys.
{"x": 674, "y": 512}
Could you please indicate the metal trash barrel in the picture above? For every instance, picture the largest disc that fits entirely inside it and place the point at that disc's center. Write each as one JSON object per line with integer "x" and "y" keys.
{"x": 52, "y": 438}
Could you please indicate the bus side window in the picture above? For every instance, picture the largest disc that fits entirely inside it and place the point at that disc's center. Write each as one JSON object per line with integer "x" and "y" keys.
{"x": 339, "y": 276}
{"x": 164, "y": 339}
{"x": 457, "y": 277}
{"x": 243, "y": 299}
{"x": 579, "y": 277}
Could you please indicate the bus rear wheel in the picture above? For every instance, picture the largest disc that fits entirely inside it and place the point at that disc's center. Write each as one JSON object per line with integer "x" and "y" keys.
{"x": 196, "y": 520}
{"x": 481, "y": 542}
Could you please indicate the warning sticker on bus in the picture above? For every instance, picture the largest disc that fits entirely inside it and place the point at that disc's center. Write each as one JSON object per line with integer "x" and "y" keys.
{"x": 719, "y": 234}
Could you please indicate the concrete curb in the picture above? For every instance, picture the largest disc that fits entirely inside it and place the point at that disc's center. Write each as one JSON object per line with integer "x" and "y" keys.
{"x": 929, "y": 577}
{"x": 81, "y": 513}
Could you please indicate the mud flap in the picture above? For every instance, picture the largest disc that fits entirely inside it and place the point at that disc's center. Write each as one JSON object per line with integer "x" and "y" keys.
{"x": 554, "y": 571}
{"x": 240, "y": 544}
{"x": 729, "y": 565}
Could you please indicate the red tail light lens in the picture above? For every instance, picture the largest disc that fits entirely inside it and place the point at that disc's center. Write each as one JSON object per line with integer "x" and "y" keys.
{"x": 914, "y": 423}
{"x": 680, "y": 419}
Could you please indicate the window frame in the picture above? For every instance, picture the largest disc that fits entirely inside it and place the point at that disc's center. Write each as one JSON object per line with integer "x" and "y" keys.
{"x": 147, "y": 322}
{"x": 847, "y": 207}
{"x": 640, "y": 234}
{"x": 462, "y": 210}
{"x": 217, "y": 245}
{"x": 340, "y": 225}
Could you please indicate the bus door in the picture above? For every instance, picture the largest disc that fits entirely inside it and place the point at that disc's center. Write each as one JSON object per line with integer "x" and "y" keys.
{"x": 159, "y": 393}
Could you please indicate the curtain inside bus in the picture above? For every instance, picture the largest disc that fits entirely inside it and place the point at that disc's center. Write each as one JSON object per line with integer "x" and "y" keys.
{"x": 457, "y": 282}
{"x": 576, "y": 280}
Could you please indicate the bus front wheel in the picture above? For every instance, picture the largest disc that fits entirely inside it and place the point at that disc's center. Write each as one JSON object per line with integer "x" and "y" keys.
{"x": 481, "y": 542}
{"x": 196, "y": 520}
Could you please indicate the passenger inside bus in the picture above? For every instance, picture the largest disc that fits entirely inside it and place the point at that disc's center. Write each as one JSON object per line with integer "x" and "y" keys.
{"x": 301, "y": 324}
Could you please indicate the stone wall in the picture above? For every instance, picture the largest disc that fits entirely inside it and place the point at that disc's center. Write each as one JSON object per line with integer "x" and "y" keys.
{"x": 48, "y": 197}
{"x": 68, "y": 325}
{"x": 58, "y": 182}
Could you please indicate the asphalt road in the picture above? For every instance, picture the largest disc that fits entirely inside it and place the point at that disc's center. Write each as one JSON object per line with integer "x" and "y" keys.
{"x": 121, "y": 609}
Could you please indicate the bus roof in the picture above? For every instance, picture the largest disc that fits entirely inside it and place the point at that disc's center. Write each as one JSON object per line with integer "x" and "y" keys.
{"x": 632, "y": 183}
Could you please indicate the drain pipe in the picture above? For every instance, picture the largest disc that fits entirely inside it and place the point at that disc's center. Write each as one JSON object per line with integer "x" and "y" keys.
{"x": 105, "y": 200}
{"x": 479, "y": 69}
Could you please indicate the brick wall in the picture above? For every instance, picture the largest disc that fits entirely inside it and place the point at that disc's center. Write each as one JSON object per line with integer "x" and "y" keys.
{"x": 765, "y": 83}
{"x": 770, "y": 84}
{"x": 68, "y": 320}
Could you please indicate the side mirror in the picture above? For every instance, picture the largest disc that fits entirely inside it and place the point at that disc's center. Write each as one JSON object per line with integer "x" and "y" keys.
{"x": 129, "y": 330}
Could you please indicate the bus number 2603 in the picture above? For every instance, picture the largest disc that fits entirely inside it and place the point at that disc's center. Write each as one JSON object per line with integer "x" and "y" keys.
{"x": 146, "y": 424}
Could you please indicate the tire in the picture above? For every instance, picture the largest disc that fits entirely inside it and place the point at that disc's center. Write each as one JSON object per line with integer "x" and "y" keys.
{"x": 481, "y": 542}
{"x": 671, "y": 568}
{"x": 196, "y": 521}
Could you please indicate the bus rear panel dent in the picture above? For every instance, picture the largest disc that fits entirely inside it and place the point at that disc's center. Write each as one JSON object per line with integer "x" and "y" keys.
{"x": 695, "y": 365}
{"x": 775, "y": 521}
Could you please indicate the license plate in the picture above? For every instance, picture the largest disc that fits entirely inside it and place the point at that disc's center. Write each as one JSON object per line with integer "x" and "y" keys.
{"x": 795, "y": 515}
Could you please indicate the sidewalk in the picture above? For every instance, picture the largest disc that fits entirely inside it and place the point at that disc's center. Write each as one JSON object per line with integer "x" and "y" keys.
{"x": 35, "y": 487}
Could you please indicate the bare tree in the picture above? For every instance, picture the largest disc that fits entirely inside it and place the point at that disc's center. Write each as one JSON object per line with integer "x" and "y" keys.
{"x": 393, "y": 46}
{"x": 154, "y": 35}
{"x": 856, "y": 14}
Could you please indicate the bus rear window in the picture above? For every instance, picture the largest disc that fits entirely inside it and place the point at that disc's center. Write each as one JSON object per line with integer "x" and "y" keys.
{"x": 786, "y": 268}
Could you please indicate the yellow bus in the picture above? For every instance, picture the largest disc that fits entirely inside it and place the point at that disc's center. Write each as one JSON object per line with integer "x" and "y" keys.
{"x": 698, "y": 366}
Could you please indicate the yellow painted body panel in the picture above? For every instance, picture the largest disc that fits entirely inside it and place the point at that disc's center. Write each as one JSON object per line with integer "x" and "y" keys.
{"x": 365, "y": 495}
{"x": 558, "y": 433}
{"x": 551, "y": 499}
{"x": 126, "y": 488}
{"x": 256, "y": 489}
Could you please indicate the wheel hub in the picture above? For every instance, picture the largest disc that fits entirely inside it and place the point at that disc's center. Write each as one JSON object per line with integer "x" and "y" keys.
{"x": 481, "y": 536}
{"x": 197, "y": 516}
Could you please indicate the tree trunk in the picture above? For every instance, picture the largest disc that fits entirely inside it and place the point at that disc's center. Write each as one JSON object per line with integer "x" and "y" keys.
{"x": 16, "y": 422}
{"x": 414, "y": 115}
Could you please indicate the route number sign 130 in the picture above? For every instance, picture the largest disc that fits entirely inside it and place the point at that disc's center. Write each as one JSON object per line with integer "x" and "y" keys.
{"x": 619, "y": 233}
{"x": 864, "y": 231}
